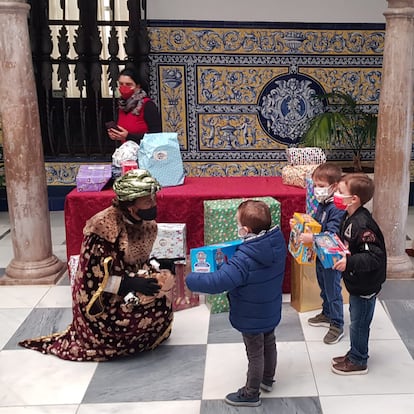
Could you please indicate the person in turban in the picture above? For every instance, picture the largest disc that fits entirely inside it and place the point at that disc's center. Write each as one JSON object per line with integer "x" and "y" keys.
{"x": 121, "y": 304}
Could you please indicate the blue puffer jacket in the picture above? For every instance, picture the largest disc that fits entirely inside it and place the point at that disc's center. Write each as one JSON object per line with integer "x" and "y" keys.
{"x": 253, "y": 278}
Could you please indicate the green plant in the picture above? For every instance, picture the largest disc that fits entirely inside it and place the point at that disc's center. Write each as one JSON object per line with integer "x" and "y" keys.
{"x": 344, "y": 124}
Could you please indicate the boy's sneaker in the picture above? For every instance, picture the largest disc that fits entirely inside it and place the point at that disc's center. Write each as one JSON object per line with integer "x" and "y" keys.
{"x": 320, "y": 320}
{"x": 339, "y": 359}
{"x": 349, "y": 368}
{"x": 240, "y": 399}
{"x": 334, "y": 335}
{"x": 267, "y": 385}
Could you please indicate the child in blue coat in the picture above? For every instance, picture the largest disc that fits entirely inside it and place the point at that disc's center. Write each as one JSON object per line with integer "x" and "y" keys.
{"x": 253, "y": 278}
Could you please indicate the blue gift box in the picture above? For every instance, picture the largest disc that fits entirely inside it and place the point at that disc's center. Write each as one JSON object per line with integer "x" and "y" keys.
{"x": 212, "y": 257}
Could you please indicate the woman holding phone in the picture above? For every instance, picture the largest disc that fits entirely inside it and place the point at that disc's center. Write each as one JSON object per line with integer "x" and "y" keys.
{"x": 137, "y": 113}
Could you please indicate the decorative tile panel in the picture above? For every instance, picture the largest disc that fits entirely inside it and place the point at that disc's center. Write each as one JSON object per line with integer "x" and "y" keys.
{"x": 239, "y": 95}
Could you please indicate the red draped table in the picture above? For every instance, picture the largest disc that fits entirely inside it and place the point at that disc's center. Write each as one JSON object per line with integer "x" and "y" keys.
{"x": 184, "y": 204}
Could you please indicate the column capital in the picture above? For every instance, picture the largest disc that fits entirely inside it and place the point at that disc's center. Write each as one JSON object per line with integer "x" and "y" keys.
{"x": 400, "y": 4}
{"x": 14, "y": 6}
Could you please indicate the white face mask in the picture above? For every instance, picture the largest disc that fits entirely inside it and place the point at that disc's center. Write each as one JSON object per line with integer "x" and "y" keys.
{"x": 322, "y": 193}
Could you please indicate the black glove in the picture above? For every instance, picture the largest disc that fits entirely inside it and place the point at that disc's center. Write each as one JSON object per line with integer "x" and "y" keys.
{"x": 147, "y": 286}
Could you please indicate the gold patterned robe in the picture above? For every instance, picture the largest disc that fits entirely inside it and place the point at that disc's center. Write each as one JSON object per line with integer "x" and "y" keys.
{"x": 117, "y": 329}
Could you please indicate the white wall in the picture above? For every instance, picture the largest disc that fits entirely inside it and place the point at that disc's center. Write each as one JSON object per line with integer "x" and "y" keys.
{"x": 317, "y": 11}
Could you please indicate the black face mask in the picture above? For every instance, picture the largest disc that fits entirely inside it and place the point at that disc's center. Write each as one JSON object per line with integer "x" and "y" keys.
{"x": 148, "y": 213}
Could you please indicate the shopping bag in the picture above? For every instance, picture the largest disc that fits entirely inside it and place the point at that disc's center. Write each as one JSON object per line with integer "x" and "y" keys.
{"x": 159, "y": 153}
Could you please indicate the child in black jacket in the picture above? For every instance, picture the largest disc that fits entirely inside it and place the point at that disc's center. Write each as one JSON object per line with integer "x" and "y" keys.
{"x": 363, "y": 271}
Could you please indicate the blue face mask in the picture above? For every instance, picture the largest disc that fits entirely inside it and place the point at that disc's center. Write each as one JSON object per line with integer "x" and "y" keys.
{"x": 148, "y": 214}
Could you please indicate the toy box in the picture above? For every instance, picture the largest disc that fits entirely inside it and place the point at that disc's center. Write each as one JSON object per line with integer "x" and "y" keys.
{"x": 329, "y": 248}
{"x": 209, "y": 259}
{"x": 93, "y": 177}
{"x": 170, "y": 242}
{"x": 304, "y": 223}
{"x": 220, "y": 218}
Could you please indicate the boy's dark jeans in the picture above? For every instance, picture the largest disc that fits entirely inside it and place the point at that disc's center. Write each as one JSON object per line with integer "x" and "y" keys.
{"x": 262, "y": 355}
{"x": 361, "y": 311}
{"x": 329, "y": 281}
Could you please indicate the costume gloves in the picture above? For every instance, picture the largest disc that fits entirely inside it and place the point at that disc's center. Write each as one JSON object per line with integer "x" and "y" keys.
{"x": 147, "y": 286}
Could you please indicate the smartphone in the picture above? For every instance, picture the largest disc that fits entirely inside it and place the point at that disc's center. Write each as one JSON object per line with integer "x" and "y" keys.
{"x": 111, "y": 124}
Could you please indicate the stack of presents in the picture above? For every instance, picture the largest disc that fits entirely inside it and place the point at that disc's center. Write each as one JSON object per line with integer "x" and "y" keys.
{"x": 305, "y": 291}
{"x": 221, "y": 239}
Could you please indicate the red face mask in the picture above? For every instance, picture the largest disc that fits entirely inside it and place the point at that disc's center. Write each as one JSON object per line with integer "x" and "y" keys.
{"x": 339, "y": 201}
{"x": 126, "y": 91}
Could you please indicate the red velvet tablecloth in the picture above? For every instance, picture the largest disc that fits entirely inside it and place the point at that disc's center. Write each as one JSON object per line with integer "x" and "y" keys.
{"x": 184, "y": 204}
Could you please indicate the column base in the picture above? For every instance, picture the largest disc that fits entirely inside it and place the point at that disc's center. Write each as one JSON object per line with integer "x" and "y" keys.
{"x": 44, "y": 272}
{"x": 399, "y": 267}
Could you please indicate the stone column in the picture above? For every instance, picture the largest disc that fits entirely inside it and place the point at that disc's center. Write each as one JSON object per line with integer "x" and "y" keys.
{"x": 33, "y": 261}
{"x": 394, "y": 135}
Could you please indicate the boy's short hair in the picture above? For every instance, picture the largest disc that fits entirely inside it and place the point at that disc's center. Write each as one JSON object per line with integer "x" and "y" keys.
{"x": 255, "y": 214}
{"x": 328, "y": 172}
{"x": 361, "y": 185}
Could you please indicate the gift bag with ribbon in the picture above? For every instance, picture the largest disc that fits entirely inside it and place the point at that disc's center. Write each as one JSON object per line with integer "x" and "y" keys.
{"x": 183, "y": 298}
{"x": 159, "y": 153}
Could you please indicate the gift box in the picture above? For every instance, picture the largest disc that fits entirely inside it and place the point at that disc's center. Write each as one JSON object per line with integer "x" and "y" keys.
{"x": 93, "y": 177}
{"x": 220, "y": 218}
{"x": 305, "y": 155}
{"x": 183, "y": 298}
{"x": 304, "y": 288}
{"x": 170, "y": 242}
{"x": 329, "y": 249}
{"x": 209, "y": 259}
{"x": 73, "y": 265}
{"x": 311, "y": 201}
{"x": 218, "y": 303}
{"x": 128, "y": 165}
{"x": 304, "y": 223}
{"x": 295, "y": 174}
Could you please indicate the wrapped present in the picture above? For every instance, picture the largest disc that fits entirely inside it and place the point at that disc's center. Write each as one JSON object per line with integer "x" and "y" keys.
{"x": 218, "y": 303}
{"x": 304, "y": 223}
{"x": 128, "y": 151}
{"x": 93, "y": 177}
{"x": 160, "y": 154}
{"x": 329, "y": 249}
{"x": 170, "y": 242}
{"x": 220, "y": 218}
{"x": 305, "y": 156}
{"x": 73, "y": 264}
{"x": 296, "y": 174}
{"x": 183, "y": 298}
{"x": 305, "y": 293}
{"x": 209, "y": 259}
{"x": 311, "y": 201}
{"x": 128, "y": 165}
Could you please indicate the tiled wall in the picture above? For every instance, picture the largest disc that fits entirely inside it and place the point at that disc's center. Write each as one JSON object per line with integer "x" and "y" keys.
{"x": 239, "y": 95}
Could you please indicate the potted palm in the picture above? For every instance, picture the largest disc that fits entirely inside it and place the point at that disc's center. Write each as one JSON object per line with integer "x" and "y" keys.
{"x": 344, "y": 124}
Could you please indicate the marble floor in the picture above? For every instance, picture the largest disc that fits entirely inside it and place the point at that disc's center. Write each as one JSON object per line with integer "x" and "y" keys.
{"x": 203, "y": 360}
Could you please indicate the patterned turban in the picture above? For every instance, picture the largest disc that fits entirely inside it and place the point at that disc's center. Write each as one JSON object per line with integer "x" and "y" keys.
{"x": 135, "y": 184}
